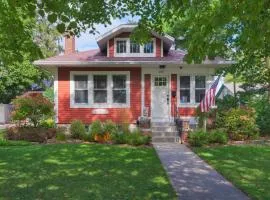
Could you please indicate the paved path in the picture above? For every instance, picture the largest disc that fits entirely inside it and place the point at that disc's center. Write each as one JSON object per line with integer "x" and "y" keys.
{"x": 192, "y": 178}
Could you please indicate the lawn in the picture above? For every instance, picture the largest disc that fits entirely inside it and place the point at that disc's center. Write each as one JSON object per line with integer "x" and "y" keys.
{"x": 247, "y": 167}
{"x": 81, "y": 171}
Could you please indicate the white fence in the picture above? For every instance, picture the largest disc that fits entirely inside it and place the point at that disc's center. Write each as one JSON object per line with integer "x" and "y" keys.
{"x": 5, "y": 110}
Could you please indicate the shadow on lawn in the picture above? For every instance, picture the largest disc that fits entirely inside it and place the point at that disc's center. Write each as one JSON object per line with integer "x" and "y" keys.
{"x": 246, "y": 166}
{"x": 82, "y": 172}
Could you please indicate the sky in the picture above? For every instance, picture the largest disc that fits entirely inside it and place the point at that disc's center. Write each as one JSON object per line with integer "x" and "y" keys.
{"x": 88, "y": 41}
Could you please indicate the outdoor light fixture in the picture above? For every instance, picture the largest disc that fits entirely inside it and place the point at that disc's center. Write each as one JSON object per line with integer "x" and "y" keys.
{"x": 162, "y": 66}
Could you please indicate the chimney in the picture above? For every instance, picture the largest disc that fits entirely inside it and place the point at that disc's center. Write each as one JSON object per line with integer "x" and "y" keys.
{"x": 69, "y": 44}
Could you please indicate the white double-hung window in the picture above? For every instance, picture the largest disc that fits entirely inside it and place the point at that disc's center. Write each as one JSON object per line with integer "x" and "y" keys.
{"x": 100, "y": 89}
{"x": 125, "y": 47}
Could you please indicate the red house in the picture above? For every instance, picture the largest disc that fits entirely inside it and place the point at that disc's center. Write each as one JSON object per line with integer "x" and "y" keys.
{"x": 123, "y": 80}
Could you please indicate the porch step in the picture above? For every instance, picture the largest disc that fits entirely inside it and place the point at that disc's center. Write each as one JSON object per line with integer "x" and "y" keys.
{"x": 165, "y": 139}
{"x": 164, "y": 134}
{"x": 164, "y": 128}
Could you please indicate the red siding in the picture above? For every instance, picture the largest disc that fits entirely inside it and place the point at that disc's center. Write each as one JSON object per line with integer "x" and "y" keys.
{"x": 147, "y": 92}
{"x": 173, "y": 100}
{"x": 187, "y": 112}
{"x": 67, "y": 114}
{"x": 111, "y": 48}
{"x": 158, "y": 47}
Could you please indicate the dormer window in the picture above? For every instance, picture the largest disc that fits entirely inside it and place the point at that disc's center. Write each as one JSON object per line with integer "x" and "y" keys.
{"x": 125, "y": 47}
{"x": 149, "y": 47}
{"x": 121, "y": 46}
{"x": 134, "y": 47}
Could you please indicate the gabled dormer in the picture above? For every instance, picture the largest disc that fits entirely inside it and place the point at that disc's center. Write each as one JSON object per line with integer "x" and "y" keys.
{"x": 117, "y": 43}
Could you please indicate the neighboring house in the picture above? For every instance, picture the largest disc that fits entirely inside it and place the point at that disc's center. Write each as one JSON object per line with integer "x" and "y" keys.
{"x": 228, "y": 89}
{"x": 123, "y": 80}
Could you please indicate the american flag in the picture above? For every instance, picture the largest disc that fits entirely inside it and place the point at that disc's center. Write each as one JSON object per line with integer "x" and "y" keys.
{"x": 209, "y": 98}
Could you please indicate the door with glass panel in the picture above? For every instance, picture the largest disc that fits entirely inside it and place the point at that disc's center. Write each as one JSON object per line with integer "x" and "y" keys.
{"x": 160, "y": 97}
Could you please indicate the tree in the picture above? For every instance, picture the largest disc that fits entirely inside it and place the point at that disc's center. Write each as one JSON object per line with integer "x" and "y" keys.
{"x": 19, "y": 75}
{"x": 234, "y": 29}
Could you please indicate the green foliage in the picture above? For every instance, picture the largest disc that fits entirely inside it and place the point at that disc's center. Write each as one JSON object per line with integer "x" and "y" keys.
{"x": 262, "y": 107}
{"x": 198, "y": 138}
{"x": 218, "y": 136}
{"x": 97, "y": 128}
{"x": 240, "y": 123}
{"x": 48, "y": 123}
{"x": 4, "y": 142}
{"x": 49, "y": 94}
{"x": 137, "y": 139}
{"x": 32, "y": 108}
{"x": 110, "y": 127}
{"x": 77, "y": 129}
{"x": 60, "y": 134}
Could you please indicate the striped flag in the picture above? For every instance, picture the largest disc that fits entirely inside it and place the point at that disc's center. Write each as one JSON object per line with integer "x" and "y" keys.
{"x": 209, "y": 98}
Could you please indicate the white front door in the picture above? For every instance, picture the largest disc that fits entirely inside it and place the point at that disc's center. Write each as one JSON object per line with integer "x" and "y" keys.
{"x": 160, "y": 98}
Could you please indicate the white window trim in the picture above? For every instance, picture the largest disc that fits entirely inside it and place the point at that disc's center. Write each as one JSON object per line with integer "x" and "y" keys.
{"x": 185, "y": 89}
{"x": 128, "y": 54}
{"x": 90, "y": 85}
{"x": 192, "y": 102}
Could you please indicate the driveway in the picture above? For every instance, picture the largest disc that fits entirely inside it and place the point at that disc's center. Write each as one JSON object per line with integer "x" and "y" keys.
{"x": 192, "y": 178}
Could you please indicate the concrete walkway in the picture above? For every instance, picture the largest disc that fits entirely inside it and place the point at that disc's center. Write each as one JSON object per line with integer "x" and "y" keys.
{"x": 192, "y": 178}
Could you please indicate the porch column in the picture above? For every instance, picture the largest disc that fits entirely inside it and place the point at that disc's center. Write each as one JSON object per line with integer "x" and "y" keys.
{"x": 147, "y": 93}
{"x": 173, "y": 99}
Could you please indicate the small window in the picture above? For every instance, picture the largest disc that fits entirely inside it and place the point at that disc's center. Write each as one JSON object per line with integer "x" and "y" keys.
{"x": 185, "y": 89}
{"x": 119, "y": 89}
{"x": 121, "y": 46}
{"x": 200, "y": 84}
{"x": 100, "y": 88}
{"x": 134, "y": 48}
{"x": 160, "y": 81}
{"x": 81, "y": 88}
{"x": 149, "y": 47}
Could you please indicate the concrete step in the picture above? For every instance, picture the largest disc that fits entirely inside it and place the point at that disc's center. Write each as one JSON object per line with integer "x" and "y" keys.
{"x": 165, "y": 134}
{"x": 164, "y": 128}
{"x": 165, "y": 139}
{"x": 153, "y": 124}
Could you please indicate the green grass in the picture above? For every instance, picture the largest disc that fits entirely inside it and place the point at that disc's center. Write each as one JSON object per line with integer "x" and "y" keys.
{"x": 247, "y": 167}
{"x": 80, "y": 171}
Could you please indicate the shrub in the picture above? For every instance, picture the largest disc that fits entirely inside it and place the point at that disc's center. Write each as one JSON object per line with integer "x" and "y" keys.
{"x": 47, "y": 123}
{"x": 60, "y": 134}
{"x": 198, "y": 138}
{"x": 218, "y": 136}
{"x": 32, "y": 108}
{"x": 240, "y": 124}
{"x": 262, "y": 106}
{"x": 77, "y": 129}
{"x": 136, "y": 138}
{"x": 30, "y": 134}
{"x": 97, "y": 128}
{"x": 119, "y": 137}
{"x": 110, "y": 127}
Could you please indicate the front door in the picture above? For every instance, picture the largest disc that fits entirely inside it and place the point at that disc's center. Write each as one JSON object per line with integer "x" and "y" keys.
{"x": 160, "y": 98}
